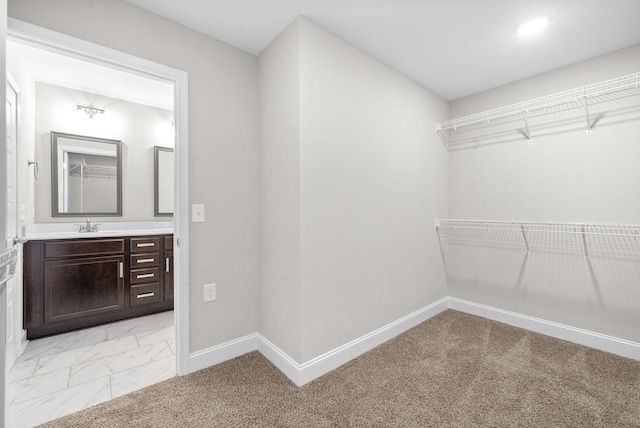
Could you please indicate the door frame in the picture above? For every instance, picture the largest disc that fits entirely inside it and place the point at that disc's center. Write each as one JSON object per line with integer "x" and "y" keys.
{"x": 33, "y": 35}
{"x": 17, "y": 332}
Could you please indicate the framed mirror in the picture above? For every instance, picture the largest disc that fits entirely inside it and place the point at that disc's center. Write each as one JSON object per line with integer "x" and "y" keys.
{"x": 86, "y": 176}
{"x": 163, "y": 179}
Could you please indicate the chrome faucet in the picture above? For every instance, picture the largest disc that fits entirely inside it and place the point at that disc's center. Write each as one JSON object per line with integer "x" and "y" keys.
{"x": 88, "y": 227}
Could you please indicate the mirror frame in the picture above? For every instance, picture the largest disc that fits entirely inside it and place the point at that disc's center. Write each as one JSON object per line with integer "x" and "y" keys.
{"x": 55, "y": 209}
{"x": 156, "y": 181}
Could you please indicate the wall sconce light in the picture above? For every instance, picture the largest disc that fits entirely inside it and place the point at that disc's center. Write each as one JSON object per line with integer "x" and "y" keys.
{"x": 90, "y": 110}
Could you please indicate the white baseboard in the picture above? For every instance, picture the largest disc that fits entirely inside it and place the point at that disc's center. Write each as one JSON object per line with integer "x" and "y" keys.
{"x": 588, "y": 338}
{"x": 280, "y": 359}
{"x": 301, "y": 374}
{"x": 223, "y": 352}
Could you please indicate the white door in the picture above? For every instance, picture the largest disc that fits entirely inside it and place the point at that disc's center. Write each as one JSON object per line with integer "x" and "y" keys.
{"x": 14, "y": 310}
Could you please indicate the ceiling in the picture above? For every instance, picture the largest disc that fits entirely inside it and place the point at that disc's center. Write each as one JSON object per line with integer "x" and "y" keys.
{"x": 455, "y": 48}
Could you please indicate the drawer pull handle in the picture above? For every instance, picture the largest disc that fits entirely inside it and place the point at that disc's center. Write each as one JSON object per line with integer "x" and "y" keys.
{"x": 166, "y": 264}
{"x": 121, "y": 269}
{"x": 146, "y": 260}
{"x": 143, "y": 295}
{"x": 145, "y": 275}
{"x": 145, "y": 244}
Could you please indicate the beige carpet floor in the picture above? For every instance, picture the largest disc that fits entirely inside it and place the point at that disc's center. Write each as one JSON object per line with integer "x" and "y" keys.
{"x": 454, "y": 370}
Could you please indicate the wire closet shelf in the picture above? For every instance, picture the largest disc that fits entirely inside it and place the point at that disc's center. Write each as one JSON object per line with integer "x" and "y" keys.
{"x": 582, "y": 97}
{"x": 528, "y": 229}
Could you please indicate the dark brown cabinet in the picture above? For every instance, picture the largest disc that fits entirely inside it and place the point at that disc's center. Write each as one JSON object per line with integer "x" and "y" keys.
{"x": 77, "y": 283}
{"x": 168, "y": 267}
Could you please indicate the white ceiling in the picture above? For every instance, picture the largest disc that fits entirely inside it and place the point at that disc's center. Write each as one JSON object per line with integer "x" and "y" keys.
{"x": 455, "y": 48}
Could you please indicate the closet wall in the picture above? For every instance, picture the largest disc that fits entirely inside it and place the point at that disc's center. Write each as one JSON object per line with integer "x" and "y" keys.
{"x": 370, "y": 184}
{"x": 279, "y": 191}
{"x": 351, "y": 178}
{"x": 564, "y": 176}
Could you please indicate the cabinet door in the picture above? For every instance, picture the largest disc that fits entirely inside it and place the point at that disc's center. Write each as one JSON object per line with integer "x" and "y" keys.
{"x": 82, "y": 287}
{"x": 168, "y": 275}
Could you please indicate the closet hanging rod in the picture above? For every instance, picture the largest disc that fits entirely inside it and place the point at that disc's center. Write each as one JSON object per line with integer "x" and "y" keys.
{"x": 628, "y": 230}
{"x": 631, "y": 81}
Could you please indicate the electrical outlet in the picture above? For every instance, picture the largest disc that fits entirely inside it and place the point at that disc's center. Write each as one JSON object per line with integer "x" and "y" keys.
{"x": 209, "y": 292}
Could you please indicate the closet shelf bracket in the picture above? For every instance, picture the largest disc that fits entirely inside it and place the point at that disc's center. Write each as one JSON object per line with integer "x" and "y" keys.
{"x": 586, "y": 112}
{"x": 584, "y": 244}
{"x": 441, "y": 135}
{"x": 524, "y": 236}
{"x": 526, "y": 126}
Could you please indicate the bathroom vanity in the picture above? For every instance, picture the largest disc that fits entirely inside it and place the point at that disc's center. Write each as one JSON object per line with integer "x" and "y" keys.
{"x": 73, "y": 282}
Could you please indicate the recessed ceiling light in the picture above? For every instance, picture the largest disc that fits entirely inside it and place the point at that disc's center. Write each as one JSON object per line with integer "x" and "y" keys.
{"x": 533, "y": 26}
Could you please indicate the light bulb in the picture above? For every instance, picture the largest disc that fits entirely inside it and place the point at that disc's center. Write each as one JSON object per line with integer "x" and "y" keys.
{"x": 533, "y": 26}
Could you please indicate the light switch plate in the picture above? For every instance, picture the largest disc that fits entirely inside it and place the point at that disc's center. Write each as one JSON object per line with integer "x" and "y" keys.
{"x": 197, "y": 213}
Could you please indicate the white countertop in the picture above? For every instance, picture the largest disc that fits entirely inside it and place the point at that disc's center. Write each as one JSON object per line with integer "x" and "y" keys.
{"x": 40, "y": 231}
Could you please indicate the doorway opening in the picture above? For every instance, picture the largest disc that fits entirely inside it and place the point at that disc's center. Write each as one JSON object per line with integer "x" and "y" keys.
{"x": 120, "y": 70}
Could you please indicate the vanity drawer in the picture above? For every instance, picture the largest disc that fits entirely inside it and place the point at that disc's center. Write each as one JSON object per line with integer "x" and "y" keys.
{"x": 144, "y": 260}
{"x": 145, "y": 244}
{"x": 82, "y": 247}
{"x": 145, "y": 275}
{"x": 144, "y": 294}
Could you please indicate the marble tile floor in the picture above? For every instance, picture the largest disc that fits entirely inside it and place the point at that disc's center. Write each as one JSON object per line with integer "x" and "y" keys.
{"x": 63, "y": 374}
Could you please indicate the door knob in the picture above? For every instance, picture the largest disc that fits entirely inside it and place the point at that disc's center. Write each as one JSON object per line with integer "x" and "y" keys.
{"x": 19, "y": 240}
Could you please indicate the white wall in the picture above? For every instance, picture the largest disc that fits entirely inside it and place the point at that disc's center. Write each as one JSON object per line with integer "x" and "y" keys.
{"x": 562, "y": 176}
{"x": 138, "y": 126}
{"x": 364, "y": 175}
{"x": 222, "y": 148}
{"x": 373, "y": 177}
{"x": 280, "y": 260}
